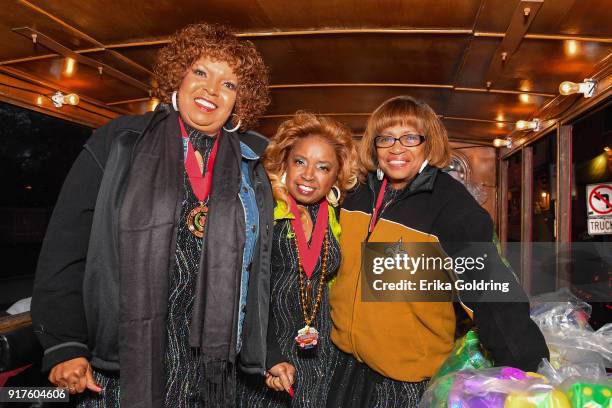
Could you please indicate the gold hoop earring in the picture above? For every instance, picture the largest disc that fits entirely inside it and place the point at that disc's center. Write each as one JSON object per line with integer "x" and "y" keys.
{"x": 334, "y": 197}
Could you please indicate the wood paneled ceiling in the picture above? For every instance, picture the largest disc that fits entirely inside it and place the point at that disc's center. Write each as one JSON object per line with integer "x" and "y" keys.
{"x": 481, "y": 64}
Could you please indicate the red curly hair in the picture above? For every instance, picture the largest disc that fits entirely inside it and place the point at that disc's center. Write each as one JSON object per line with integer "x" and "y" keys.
{"x": 217, "y": 42}
{"x": 301, "y": 126}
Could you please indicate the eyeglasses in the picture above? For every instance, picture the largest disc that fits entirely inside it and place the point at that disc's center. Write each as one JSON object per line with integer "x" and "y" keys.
{"x": 409, "y": 140}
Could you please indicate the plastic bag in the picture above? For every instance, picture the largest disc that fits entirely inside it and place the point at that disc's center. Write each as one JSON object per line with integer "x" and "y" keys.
{"x": 466, "y": 354}
{"x": 499, "y": 387}
{"x": 563, "y": 319}
{"x": 586, "y": 393}
{"x": 560, "y": 310}
{"x": 586, "y": 365}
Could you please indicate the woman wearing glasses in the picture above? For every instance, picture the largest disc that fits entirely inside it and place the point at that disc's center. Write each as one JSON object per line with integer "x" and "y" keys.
{"x": 391, "y": 349}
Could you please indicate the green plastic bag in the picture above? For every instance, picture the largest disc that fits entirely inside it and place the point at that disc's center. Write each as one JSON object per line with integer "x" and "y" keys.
{"x": 591, "y": 395}
{"x": 467, "y": 354}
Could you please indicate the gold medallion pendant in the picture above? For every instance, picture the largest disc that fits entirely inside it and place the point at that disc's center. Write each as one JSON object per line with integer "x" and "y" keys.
{"x": 196, "y": 220}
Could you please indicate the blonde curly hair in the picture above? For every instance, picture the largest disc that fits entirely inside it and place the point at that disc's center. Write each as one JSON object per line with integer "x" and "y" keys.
{"x": 301, "y": 126}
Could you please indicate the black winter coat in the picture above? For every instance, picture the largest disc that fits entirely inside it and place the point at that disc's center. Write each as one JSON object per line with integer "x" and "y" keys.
{"x": 62, "y": 300}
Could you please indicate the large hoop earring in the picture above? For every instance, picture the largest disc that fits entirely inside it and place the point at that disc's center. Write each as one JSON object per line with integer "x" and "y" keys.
{"x": 379, "y": 174}
{"x": 174, "y": 103}
{"x": 234, "y": 128}
{"x": 334, "y": 197}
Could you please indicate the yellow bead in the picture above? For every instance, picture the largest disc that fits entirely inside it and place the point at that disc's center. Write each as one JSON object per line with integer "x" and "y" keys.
{"x": 518, "y": 401}
{"x": 557, "y": 399}
{"x": 587, "y": 391}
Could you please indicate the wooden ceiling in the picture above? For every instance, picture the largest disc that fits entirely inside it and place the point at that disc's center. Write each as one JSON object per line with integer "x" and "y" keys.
{"x": 481, "y": 64}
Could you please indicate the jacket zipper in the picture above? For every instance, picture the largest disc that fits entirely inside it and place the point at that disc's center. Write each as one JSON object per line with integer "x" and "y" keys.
{"x": 388, "y": 205}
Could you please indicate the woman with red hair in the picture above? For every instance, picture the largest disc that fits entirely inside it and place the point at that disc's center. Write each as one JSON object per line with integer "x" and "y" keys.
{"x": 140, "y": 295}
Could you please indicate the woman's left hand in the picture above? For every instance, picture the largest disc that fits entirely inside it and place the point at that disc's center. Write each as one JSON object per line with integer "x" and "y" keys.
{"x": 281, "y": 377}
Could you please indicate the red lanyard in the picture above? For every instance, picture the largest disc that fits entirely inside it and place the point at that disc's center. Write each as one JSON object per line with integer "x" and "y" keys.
{"x": 379, "y": 200}
{"x": 199, "y": 184}
{"x": 309, "y": 254}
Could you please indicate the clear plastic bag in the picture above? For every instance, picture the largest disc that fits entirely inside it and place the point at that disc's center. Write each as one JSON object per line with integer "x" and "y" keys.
{"x": 563, "y": 319}
{"x": 586, "y": 365}
{"x": 560, "y": 310}
{"x": 499, "y": 387}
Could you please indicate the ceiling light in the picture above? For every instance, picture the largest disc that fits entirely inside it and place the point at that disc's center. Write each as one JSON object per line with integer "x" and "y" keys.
{"x": 59, "y": 99}
{"x": 587, "y": 88}
{"x": 571, "y": 47}
{"x": 69, "y": 66}
{"x": 500, "y": 121}
{"x": 528, "y": 125}
{"x": 524, "y": 98}
{"x": 502, "y": 143}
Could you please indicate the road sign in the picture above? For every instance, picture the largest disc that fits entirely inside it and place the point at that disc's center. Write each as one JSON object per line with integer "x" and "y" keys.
{"x": 599, "y": 208}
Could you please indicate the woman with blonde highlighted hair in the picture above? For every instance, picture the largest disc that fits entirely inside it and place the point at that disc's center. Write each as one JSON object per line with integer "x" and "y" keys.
{"x": 312, "y": 163}
{"x": 391, "y": 348}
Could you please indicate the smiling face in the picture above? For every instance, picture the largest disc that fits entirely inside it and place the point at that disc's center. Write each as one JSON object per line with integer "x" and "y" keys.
{"x": 312, "y": 169}
{"x": 207, "y": 95}
{"x": 400, "y": 163}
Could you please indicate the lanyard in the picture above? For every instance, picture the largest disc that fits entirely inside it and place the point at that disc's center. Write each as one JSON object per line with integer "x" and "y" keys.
{"x": 379, "y": 200}
{"x": 199, "y": 184}
{"x": 309, "y": 254}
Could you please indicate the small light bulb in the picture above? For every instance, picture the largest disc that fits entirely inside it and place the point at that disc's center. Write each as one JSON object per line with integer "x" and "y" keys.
{"x": 544, "y": 195}
{"x": 568, "y": 88}
{"x": 587, "y": 88}
{"x": 524, "y": 98}
{"x": 69, "y": 66}
{"x": 502, "y": 142}
{"x": 39, "y": 100}
{"x": 571, "y": 47}
{"x": 528, "y": 125}
{"x": 500, "y": 121}
{"x": 72, "y": 99}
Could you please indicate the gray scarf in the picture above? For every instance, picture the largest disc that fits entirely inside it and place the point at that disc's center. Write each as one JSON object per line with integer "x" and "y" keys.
{"x": 149, "y": 215}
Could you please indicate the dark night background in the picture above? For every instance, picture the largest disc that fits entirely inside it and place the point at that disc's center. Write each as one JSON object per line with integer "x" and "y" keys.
{"x": 36, "y": 153}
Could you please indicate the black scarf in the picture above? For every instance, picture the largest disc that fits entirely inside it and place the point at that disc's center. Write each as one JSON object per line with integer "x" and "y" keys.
{"x": 149, "y": 215}
{"x": 214, "y": 320}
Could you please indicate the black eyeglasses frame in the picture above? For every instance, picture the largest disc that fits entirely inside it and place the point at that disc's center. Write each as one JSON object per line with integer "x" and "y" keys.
{"x": 396, "y": 139}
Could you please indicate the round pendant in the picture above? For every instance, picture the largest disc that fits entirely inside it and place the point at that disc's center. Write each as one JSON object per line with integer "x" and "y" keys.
{"x": 307, "y": 337}
{"x": 197, "y": 219}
